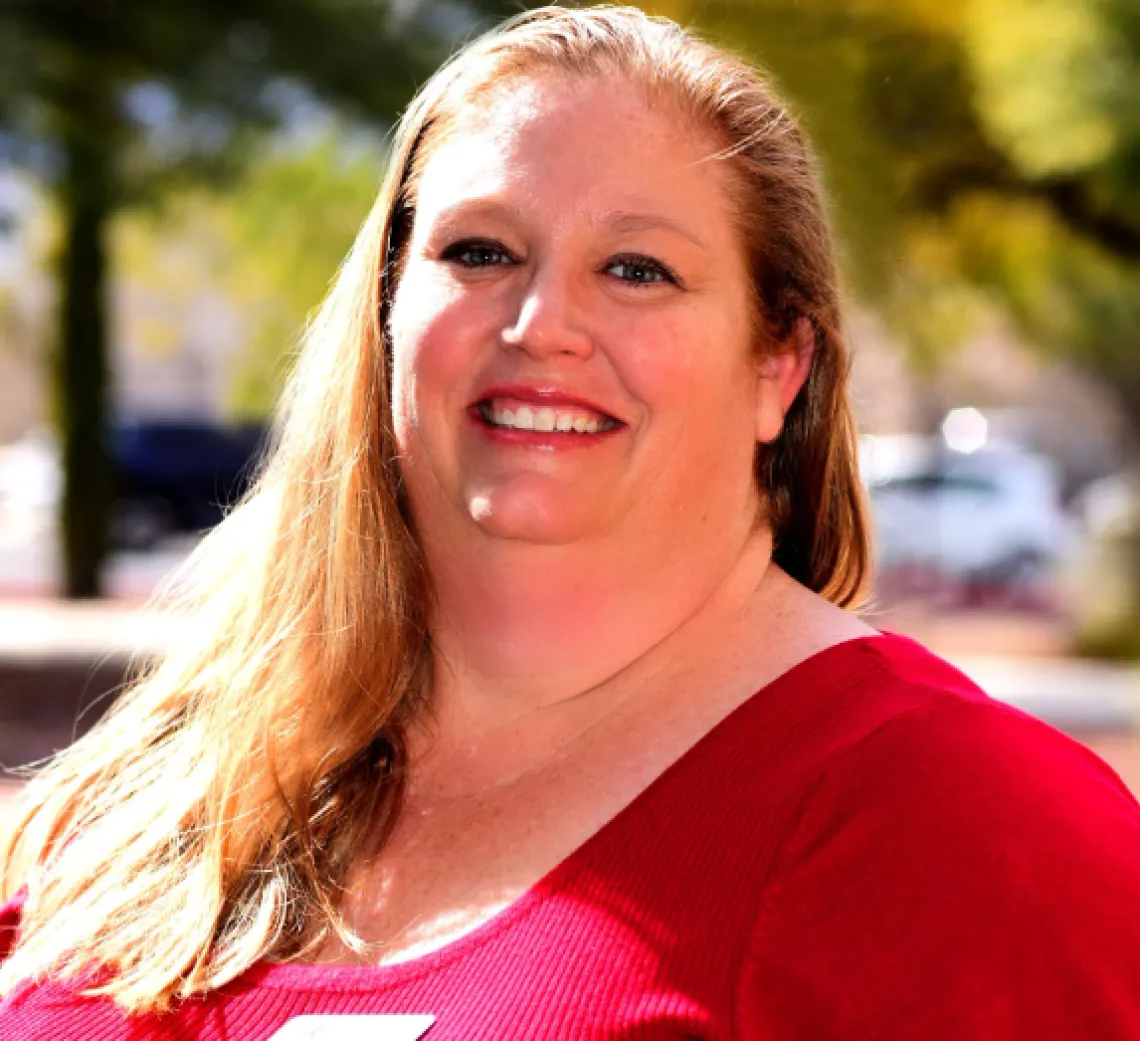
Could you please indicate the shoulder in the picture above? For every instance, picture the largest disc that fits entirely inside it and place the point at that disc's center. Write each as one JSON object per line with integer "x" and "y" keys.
{"x": 51, "y": 1011}
{"x": 918, "y": 749}
{"x": 878, "y": 736}
{"x": 866, "y": 702}
{"x": 967, "y": 869}
{"x": 45, "y": 1011}
{"x": 915, "y": 726}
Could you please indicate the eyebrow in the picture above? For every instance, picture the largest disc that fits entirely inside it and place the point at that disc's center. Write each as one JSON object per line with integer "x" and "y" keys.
{"x": 489, "y": 208}
{"x": 627, "y": 222}
{"x": 621, "y": 221}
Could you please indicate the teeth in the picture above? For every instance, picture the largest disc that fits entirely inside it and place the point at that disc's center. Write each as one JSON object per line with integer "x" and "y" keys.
{"x": 545, "y": 419}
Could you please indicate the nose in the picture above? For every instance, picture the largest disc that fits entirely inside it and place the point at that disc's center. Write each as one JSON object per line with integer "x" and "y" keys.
{"x": 548, "y": 320}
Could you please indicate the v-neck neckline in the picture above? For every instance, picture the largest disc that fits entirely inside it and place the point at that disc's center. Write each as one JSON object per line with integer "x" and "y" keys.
{"x": 317, "y": 975}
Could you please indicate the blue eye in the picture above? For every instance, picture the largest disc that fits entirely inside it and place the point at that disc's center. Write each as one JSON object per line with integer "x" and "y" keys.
{"x": 477, "y": 254}
{"x": 640, "y": 271}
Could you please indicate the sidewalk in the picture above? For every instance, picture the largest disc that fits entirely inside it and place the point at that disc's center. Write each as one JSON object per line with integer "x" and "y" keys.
{"x": 36, "y": 630}
{"x": 56, "y": 656}
{"x": 61, "y": 661}
{"x": 1073, "y": 695}
{"x": 1068, "y": 692}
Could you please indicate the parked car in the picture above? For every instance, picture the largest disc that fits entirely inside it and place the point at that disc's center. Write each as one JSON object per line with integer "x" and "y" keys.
{"x": 171, "y": 476}
{"x": 29, "y": 473}
{"x": 993, "y": 515}
{"x": 1110, "y": 505}
{"x": 177, "y": 476}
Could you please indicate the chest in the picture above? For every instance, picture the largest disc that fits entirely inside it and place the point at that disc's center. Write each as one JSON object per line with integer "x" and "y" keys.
{"x": 639, "y": 933}
{"x": 571, "y": 962}
{"x": 454, "y": 863}
{"x": 463, "y": 851}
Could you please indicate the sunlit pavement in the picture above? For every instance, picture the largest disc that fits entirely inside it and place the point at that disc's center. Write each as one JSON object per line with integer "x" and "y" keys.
{"x": 42, "y": 630}
{"x": 1078, "y": 696}
{"x": 29, "y": 565}
{"x": 1072, "y": 694}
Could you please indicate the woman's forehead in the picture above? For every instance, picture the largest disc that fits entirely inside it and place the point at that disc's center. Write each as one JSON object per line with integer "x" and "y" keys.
{"x": 519, "y": 96}
{"x": 581, "y": 134}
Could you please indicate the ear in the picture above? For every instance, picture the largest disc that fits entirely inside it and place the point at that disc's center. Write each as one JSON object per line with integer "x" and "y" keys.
{"x": 780, "y": 377}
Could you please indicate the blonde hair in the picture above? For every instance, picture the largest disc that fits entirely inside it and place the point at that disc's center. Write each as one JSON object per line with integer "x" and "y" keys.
{"x": 208, "y": 821}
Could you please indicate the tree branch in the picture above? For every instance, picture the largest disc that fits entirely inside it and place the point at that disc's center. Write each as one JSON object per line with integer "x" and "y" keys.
{"x": 1069, "y": 198}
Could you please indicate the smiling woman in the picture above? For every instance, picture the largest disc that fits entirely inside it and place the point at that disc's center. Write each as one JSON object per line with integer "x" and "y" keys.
{"x": 522, "y": 697}
{"x": 574, "y": 258}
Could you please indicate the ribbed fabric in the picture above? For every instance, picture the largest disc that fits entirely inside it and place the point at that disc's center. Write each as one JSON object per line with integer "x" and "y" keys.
{"x": 869, "y": 848}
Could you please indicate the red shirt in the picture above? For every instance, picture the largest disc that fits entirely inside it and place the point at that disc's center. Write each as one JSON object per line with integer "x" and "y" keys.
{"x": 868, "y": 848}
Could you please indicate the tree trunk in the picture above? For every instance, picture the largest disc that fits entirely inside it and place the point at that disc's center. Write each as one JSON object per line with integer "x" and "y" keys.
{"x": 82, "y": 362}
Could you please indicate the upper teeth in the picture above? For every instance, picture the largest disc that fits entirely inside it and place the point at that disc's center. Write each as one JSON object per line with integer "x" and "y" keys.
{"x": 523, "y": 417}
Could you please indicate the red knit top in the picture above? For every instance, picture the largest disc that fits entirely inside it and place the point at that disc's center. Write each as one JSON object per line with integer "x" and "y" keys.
{"x": 868, "y": 848}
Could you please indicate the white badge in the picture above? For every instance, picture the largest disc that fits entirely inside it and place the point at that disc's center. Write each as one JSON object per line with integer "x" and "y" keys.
{"x": 354, "y": 1028}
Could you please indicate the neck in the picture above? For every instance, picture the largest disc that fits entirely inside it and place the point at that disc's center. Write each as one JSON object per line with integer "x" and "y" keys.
{"x": 520, "y": 628}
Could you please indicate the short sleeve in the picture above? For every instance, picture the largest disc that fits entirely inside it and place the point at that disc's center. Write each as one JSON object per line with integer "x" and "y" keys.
{"x": 965, "y": 871}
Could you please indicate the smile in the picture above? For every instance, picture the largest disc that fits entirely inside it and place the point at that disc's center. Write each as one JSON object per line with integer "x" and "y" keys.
{"x": 509, "y": 415}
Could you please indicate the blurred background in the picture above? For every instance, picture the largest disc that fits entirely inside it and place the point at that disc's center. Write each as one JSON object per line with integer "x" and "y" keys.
{"x": 179, "y": 181}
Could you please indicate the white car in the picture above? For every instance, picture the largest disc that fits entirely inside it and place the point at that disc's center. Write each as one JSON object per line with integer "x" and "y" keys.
{"x": 30, "y": 477}
{"x": 992, "y": 514}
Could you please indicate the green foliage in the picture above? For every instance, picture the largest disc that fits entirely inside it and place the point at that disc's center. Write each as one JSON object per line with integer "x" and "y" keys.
{"x": 288, "y": 226}
{"x": 981, "y": 154}
{"x": 1046, "y": 73}
{"x": 268, "y": 244}
{"x": 121, "y": 101}
{"x": 1110, "y": 626}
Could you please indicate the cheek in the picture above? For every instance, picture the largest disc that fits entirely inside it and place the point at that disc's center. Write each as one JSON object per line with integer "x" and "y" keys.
{"x": 693, "y": 367}
{"x": 435, "y": 340}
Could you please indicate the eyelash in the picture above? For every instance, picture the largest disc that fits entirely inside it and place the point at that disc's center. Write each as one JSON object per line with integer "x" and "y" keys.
{"x": 459, "y": 250}
{"x": 456, "y": 252}
{"x": 655, "y": 267}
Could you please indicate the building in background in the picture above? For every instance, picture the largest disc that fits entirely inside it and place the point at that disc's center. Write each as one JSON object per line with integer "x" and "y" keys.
{"x": 26, "y": 297}
{"x": 175, "y": 334}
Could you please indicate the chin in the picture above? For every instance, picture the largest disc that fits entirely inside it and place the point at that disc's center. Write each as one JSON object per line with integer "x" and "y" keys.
{"x": 541, "y": 521}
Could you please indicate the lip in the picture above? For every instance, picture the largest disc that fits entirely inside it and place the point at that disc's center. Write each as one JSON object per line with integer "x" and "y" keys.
{"x": 537, "y": 394}
{"x": 541, "y": 395}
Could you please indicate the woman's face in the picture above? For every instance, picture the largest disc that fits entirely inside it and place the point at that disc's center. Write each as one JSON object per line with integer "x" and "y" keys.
{"x": 571, "y": 334}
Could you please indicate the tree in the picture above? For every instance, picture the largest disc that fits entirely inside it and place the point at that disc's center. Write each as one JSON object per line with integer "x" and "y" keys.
{"x": 118, "y": 100}
{"x": 979, "y": 154}
{"x": 254, "y": 243}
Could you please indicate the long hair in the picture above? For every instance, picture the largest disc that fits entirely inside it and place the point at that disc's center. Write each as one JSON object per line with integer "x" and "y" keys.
{"x": 209, "y": 820}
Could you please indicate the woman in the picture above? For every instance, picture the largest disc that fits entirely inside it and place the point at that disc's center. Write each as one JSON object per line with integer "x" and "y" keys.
{"x": 522, "y": 702}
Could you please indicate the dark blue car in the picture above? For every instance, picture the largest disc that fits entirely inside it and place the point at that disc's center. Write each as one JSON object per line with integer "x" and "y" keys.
{"x": 178, "y": 475}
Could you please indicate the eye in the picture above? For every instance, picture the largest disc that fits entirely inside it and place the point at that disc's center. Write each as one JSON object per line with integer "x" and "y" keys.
{"x": 640, "y": 271}
{"x": 477, "y": 253}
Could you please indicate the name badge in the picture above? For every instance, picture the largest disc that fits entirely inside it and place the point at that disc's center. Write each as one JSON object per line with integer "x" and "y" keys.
{"x": 354, "y": 1028}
